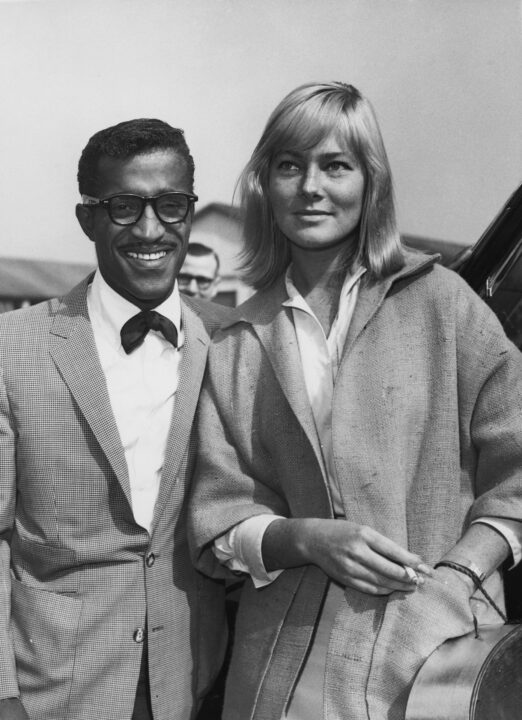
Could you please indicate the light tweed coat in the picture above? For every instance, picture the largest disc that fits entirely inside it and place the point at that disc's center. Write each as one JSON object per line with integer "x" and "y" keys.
{"x": 427, "y": 435}
{"x": 72, "y": 558}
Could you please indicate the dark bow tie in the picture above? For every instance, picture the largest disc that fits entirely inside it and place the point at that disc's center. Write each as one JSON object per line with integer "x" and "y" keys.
{"x": 134, "y": 331}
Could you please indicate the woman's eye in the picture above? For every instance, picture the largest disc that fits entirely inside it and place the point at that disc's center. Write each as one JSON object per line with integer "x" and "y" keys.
{"x": 338, "y": 166}
{"x": 287, "y": 166}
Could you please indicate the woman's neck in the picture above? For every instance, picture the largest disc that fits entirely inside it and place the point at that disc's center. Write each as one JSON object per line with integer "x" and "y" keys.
{"x": 319, "y": 277}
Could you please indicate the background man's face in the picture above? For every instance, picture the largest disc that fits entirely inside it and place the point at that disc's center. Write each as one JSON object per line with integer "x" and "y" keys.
{"x": 140, "y": 261}
{"x": 198, "y": 276}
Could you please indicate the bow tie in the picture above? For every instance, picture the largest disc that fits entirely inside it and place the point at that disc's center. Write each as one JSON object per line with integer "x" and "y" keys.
{"x": 134, "y": 331}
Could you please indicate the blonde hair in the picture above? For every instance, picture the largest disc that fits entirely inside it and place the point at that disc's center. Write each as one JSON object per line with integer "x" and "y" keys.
{"x": 302, "y": 119}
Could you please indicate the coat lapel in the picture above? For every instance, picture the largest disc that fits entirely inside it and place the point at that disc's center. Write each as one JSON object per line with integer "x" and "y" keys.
{"x": 372, "y": 295}
{"x": 368, "y": 302}
{"x": 192, "y": 368}
{"x": 73, "y": 350}
{"x": 274, "y": 327}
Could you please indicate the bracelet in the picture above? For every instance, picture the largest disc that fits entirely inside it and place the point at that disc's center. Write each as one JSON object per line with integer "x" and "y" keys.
{"x": 470, "y": 569}
{"x": 477, "y": 581}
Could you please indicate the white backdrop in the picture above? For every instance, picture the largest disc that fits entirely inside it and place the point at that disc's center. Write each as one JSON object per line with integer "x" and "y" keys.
{"x": 445, "y": 78}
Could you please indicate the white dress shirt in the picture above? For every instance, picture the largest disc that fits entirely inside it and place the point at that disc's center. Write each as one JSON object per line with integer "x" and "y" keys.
{"x": 141, "y": 386}
{"x": 240, "y": 548}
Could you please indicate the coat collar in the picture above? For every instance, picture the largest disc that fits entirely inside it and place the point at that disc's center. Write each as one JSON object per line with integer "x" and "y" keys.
{"x": 262, "y": 307}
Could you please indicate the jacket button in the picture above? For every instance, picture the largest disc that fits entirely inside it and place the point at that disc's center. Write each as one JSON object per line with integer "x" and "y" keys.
{"x": 139, "y": 635}
{"x": 150, "y": 559}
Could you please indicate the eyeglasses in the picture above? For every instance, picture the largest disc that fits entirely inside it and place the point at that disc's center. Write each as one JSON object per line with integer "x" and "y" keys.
{"x": 202, "y": 282}
{"x": 171, "y": 207}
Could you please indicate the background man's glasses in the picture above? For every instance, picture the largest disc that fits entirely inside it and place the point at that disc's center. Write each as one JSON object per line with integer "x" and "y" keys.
{"x": 171, "y": 207}
{"x": 203, "y": 282}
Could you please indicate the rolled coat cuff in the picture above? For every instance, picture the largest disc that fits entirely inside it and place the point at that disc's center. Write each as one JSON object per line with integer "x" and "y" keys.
{"x": 511, "y": 531}
{"x": 240, "y": 549}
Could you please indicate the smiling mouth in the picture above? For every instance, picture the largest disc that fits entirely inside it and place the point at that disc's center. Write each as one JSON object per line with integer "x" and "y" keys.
{"x": 147, "y": 256}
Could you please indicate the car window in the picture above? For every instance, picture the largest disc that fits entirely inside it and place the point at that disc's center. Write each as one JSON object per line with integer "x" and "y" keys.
{"x": 506, "y": 300}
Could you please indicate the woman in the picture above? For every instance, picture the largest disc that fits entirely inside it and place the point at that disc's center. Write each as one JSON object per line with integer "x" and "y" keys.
{"x": 359, "y": 425}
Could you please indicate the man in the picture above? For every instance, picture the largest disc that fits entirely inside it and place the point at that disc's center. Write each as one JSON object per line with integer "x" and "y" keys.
{"x": 199, "y": 276}
{"x": 102, "y": 615}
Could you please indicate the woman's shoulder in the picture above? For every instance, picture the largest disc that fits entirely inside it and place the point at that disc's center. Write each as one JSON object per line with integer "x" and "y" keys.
{"x": 431, "y": 280}
{"x": 447, "y": 298}
{"x": 261, "y": 308}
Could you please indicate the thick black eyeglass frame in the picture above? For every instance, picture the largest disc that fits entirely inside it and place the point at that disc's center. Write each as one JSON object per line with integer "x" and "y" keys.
{"x": 90, "y": 201}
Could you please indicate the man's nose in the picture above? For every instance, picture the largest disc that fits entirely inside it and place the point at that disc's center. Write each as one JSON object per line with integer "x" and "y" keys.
{"x": 192, "y": 287}
{"x": 149, "y": 227}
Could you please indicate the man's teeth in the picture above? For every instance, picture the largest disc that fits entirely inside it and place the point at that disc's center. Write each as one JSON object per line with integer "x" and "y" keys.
{"x": 147, "y": 256}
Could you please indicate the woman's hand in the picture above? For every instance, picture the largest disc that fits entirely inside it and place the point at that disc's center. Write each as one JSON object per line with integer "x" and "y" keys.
{"x": 353, "y": 555}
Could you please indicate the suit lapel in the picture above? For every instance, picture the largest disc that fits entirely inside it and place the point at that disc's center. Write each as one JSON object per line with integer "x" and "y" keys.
{"x": 192, "y": 368}
{"x": 73, "y": 350}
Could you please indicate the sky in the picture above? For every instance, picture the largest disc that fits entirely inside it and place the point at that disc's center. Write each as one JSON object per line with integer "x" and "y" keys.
{"x": 444, "y": 78}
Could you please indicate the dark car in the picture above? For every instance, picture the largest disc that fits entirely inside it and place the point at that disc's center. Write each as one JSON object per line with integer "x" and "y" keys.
{"x": 493, "y": 267}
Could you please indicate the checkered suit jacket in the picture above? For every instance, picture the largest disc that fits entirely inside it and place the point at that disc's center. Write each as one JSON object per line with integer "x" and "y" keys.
{"x": 80, "y": 582}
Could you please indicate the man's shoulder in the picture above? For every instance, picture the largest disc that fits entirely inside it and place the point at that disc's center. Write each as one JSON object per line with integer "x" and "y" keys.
{"x": 26, "y": 317}
{"x": 36, "y": 319}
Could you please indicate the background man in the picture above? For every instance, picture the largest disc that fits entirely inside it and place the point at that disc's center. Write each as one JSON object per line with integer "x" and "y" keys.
{"x": 199, "y": 276}
{"x": 96, "y": 452}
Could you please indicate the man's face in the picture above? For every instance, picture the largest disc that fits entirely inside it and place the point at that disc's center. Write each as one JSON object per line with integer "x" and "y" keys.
{"x": 198, "y": 276}
{"x": 140, "y": 261}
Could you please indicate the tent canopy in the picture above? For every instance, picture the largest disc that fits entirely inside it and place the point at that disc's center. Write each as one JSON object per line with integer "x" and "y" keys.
{"x": 21, "y": 278}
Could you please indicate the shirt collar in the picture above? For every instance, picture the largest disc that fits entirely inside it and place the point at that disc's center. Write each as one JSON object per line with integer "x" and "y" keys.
{"x": 112, "y": 310}
{"x": 295, "y": 299}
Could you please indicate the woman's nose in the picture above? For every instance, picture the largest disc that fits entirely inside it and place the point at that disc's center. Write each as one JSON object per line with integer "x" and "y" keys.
{"x": 310, "y": 184}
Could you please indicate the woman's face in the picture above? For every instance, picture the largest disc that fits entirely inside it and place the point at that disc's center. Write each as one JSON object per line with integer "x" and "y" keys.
{"x": 317, "y": 194}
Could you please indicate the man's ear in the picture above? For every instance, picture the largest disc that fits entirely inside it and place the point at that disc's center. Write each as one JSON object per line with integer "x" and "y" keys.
{"x": 85, "y": 218}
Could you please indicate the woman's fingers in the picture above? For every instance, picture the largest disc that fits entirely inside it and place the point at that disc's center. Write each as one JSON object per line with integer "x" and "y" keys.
{"x": 358, "y": 556}
{"x": 389, "y": 549}
{"x": 368, "y": 578}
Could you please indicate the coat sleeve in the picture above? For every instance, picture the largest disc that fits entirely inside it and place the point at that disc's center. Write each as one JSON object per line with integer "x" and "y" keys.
{"x": 8, "y": 679}
{"x": 234, "y": 477}
{"x": 490, "y": 394}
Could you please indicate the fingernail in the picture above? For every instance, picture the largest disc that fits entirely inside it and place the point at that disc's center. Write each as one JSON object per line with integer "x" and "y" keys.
{"x": 423, "y": 568}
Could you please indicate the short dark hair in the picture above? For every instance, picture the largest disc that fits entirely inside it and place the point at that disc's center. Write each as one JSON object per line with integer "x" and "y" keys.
{"x": 127, "y": 139}
{"x": 199, "y": 250}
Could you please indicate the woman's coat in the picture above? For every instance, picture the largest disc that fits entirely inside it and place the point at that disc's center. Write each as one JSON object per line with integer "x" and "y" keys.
{"x": 426, "y": 437}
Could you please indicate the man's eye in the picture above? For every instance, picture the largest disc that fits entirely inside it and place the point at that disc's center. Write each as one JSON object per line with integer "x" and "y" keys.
{"x": 123, "y": 204}
{"x": 172, "y": 203}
